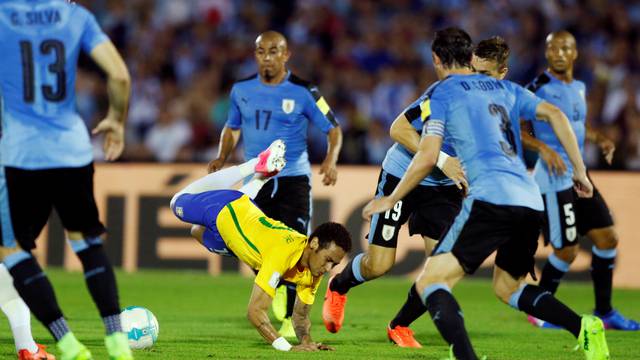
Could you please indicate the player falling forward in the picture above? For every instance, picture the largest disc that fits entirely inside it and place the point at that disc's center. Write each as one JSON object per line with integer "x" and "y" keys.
{"x": 276, "y": 104}
{"x": 567, "y": 214}
{"x": 430, "y": 209}
{"x": 503, "y": 211}
{"x": 227, "y": 222}
{"x": 48, "y": 157}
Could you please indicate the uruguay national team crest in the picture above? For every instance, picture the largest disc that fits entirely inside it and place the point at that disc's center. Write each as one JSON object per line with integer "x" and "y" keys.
{"x": 288, "y": 105}
{"x": 387, "y": 232}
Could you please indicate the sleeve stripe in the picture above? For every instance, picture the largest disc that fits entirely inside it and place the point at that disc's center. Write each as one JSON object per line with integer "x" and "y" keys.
{"x": 412, "y": 113}
{"x": 434, "y": 128}
{"x": 323, "y": 106}
{"x": 425, "y": 109}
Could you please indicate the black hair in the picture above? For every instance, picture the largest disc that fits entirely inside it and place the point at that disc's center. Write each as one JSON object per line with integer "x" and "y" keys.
{"x": 331, "y": 232}
{"x": 494, "y": 49}
{"x": 453, "y": 46}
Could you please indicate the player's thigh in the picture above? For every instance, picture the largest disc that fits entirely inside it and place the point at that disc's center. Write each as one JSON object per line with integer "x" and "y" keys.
{"x": 74, "y": 201}
{"x": 203, "y": 208}
{"x": 436, "y": 208}
{"x": 293, "y": 200}
{"x": 560, "y": 225}
{"x": 476, "y": 233}
{"x": 595, "y": 220}
{"x": 26, "y": 205}
{"x": 516, "y": 256}
{"x": 385, "y": 227}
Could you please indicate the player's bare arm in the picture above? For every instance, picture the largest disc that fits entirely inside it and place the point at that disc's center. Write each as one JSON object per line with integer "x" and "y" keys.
{"x": 119, "y": 91}
{"x": 421, "y": 165}
{"x": 560, "y": 124}
{"x": 258, "y": 316}
{"x": 607, "y": 146}
{"x": 328, "y": 167}
{"x": 302, "y": 324}
{"x": 228, "y": 141}
{"x": 405, "y": 134}
{"x": 551, "y": 158}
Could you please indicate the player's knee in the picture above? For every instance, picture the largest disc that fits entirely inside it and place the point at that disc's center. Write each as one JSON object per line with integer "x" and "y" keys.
{"x": 82, "y": 244}
{"x": 374, "y": 267}
{"x": 567, "y": 254}
{"x": 605, "y": 239}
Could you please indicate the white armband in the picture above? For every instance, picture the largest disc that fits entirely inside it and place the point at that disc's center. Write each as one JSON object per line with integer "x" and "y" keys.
{"x": 442, "y": 158}
{"x": 281, "y": 344}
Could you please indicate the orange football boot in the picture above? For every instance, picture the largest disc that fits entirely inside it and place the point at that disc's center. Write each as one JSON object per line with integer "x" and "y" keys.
{"x": 333, "y": 309}
{"x": 403, "y": 337}
{"x": 42, "y": 354}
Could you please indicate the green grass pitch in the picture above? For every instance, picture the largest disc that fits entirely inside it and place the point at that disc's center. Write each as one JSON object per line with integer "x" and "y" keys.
{"x": 203, "y": 317}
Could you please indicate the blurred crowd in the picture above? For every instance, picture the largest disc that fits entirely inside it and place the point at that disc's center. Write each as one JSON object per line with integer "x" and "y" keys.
{"x": 369, "y": 58}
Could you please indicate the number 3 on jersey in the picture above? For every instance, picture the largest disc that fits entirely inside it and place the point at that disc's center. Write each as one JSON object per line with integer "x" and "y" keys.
{"x": 505, "y": 125}
{"x": 55, "y": 93}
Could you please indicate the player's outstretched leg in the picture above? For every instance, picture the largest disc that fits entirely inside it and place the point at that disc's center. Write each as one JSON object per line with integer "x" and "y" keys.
{"x": 366, "y": 266}
{"x": 541, "y": 304}
{"x": 20, "y": 320}
{"x": 101, "y": 282}
{"x": 603, "y": 260}
{"x": 267, "y": 164}
{"x": 36, "y": 291}
{"x": 398, "y": 330}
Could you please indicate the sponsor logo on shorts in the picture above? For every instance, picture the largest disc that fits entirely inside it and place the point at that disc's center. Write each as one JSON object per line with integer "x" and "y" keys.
{"x": 387, "y": 232}
{"x": 275, "y": 280}
{"x": 179, "y": 211}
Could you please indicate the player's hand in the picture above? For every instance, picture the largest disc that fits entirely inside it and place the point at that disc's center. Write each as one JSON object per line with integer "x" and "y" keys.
{"x": 215, "y": 165}
{"x": 305, "y": 347}
{"x": 377, "y": 206}
{"x": 113, "y": 137}
{"x": 454, "y": 171}
{"x": 330, "y": 171}
{"x": 554, "y": 161}
{"x": 608, "y": 147}
{"x": 582, "y": 185}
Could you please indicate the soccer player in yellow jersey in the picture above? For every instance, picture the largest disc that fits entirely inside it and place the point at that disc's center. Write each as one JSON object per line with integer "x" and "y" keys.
{"x": 228, "y": 222}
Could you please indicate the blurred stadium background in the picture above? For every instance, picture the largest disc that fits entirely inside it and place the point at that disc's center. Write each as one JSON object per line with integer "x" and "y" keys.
{"x": 369, "y": 58}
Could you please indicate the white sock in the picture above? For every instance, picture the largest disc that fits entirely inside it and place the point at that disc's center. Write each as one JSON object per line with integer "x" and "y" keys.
{"x": 219, "y": 180}
{"x": 252, "y": 188}
{"x": 17, "y": 312}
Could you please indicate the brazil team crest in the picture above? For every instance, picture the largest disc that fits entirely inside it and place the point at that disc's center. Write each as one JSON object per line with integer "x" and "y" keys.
{"x": 288, "y": 105}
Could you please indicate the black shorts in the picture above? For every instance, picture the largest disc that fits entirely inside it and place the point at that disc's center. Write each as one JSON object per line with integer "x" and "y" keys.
{"x": 33, "y": 193}
{"x": 429, "y": 209}
{"x": 592, "y": 213}
{"x": 287, "y": 199}
{"x": 560, "y": 225}
{"x": 482, "y": 228}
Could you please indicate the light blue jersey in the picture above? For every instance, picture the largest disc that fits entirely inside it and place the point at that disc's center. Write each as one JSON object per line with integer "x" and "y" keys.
{"x": 475, "y": 111}
{"x": 265, "y": 113}
{"x": 570, "y": 98}
{"x": 40, "y": 42}
{"x": 398, "y": 158}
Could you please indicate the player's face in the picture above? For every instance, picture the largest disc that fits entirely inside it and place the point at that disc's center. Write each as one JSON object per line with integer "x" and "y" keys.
{"x": 322, "y": 260}
{"x": 561, "y": 53}
{"x": 488, "y": 67}
{"x": 271, "y": 56}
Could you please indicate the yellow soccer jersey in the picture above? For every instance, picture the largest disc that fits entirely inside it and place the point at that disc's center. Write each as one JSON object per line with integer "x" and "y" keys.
{"x": 268, "y": 246}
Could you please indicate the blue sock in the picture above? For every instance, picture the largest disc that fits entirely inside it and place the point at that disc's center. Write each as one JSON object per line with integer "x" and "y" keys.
{"x": 349, "y": 277}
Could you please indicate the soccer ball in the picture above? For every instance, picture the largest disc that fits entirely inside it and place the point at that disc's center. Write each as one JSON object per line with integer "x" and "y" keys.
{"x": 141, "y": 327}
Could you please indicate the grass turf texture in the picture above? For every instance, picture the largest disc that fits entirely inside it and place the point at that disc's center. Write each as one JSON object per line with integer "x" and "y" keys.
{"x": 203, "y": 317}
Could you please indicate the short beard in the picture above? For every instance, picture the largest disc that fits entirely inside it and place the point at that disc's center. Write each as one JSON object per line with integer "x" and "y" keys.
{"x": 266, "y": 75}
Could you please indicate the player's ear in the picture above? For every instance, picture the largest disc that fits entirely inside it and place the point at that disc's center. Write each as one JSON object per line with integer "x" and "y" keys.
{"x": 435, "y": 58}
{"x": 503, "y": 72}
{"x": 314, "y": 244}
